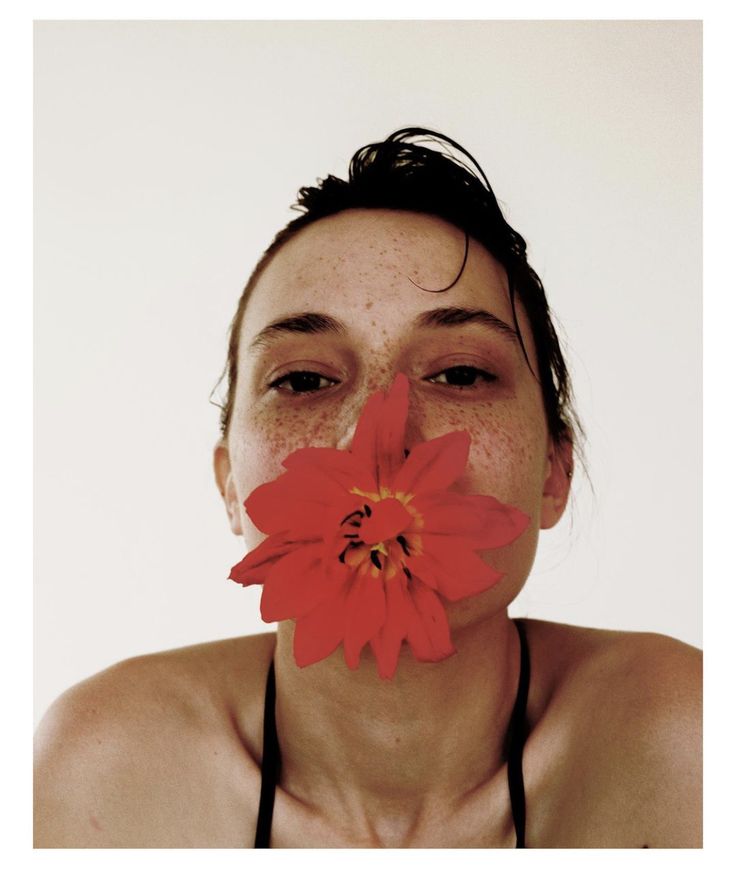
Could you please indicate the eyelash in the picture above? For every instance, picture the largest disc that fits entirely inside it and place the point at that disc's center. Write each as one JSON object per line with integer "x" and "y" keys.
{"x": 487, "y": 377}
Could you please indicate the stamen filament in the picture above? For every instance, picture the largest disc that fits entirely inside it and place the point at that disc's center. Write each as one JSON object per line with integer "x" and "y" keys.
{"x": 350, "y": 544}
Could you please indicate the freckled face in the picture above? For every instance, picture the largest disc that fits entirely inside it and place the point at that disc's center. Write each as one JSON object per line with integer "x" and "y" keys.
{"x": 363, "y": 268}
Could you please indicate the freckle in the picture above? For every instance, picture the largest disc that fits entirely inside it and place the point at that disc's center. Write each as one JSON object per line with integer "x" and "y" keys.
{"x": 369, "y": 304}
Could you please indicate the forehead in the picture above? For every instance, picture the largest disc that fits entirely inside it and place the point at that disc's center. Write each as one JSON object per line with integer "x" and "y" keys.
{"x": 363, "y": 263}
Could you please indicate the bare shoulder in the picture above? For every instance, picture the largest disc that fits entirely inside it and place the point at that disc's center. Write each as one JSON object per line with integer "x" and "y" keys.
{"x": 632, "y": 705}
{"x": 159, "y": 750}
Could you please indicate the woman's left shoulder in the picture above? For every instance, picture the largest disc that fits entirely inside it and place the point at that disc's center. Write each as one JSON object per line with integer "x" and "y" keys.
{"x": 635, "y": 700}
{"x": 630, "y": 667}
{"x": 651, "y": 679}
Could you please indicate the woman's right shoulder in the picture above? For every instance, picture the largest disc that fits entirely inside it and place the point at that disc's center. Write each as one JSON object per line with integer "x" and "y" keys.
{"x": 157, "y": 750}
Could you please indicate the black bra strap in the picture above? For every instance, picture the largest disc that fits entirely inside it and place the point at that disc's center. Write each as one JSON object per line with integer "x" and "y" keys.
{"x": 270, "y": 764}
{"x": 516, "y": 739}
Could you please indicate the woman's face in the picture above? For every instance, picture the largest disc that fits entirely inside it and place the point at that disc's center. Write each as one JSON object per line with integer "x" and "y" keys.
{"x": 305, "y": 384}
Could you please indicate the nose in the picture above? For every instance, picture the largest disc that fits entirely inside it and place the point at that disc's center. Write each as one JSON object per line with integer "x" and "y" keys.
{"x": 413, "y": 430}
{"x": 345, "y": 440}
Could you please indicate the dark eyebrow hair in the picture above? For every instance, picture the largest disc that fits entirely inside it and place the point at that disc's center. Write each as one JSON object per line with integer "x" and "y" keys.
{"x": 449, "y": 316}
{"x": 303, "y": 323}
{"x": 317, "y": 323}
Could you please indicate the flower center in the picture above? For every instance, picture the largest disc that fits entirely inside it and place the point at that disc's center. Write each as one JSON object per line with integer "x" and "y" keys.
{"x": 388, "y": 518}
{"x": 375, "y": 531}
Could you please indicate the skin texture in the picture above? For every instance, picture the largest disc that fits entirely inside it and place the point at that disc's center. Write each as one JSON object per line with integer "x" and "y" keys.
{"x": 417, "y": 761}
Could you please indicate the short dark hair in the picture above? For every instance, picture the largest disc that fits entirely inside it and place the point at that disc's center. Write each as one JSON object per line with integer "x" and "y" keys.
{"x": 403, "y": 173}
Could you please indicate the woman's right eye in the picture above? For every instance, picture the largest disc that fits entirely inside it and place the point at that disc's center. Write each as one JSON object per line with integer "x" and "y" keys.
{"x": 297, "y": 383}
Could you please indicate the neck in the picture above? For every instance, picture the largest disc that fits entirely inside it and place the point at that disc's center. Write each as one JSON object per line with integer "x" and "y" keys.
{"x": 362, "y": 746}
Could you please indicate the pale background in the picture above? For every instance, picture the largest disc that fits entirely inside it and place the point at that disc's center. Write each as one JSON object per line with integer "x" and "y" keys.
{"x": 167, "y": 155}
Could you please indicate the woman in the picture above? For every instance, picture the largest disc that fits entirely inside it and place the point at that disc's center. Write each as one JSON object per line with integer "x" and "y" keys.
{"x": 470, "y": 730}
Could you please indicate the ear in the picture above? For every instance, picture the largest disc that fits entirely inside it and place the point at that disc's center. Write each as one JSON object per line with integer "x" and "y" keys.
{"x": 226, "y": 486}
{"x": 557, "y": 482}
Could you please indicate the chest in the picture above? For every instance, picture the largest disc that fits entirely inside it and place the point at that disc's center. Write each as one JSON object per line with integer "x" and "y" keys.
{"x": 483, "y": 820}
{"x": 567, "y": 805}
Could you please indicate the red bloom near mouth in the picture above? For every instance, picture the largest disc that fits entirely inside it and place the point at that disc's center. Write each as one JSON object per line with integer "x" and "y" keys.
{"x": 362, "y": 543}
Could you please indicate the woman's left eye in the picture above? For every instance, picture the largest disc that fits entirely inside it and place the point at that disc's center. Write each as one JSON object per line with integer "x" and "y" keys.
{"x": 463, "y": 376}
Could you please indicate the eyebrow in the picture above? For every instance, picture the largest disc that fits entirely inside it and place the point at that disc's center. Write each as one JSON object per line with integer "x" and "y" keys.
{"x": 303, "y": 323}
{"x": 318, "y": 323}
{"x": 451, "y": 316}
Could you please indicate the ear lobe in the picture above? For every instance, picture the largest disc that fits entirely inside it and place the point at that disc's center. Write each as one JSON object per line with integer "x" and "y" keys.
{"x": 557, "y": 483}
{"x": 226, "y": 486}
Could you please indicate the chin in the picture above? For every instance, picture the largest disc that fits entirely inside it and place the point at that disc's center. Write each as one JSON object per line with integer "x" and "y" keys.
{"x": 477, "y": 609}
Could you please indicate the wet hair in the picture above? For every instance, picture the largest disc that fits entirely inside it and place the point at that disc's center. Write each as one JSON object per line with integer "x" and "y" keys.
{"x": 426, "y": 172}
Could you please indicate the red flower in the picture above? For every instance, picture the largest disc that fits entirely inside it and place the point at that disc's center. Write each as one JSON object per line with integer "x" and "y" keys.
{"x": 361, "y": 542}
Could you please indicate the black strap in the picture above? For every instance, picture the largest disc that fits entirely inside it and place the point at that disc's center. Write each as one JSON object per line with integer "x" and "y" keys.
{"x": 516, "y": 738}
{"x": 271, "y": 759}
{"x": 270, "y": 764}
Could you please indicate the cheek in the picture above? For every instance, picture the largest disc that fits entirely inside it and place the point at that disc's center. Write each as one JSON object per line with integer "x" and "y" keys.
{"x": 507, "y": 451}
{"x": 507, "y": 459}
{"x": 269, "y": 434}
{"x": 261, "y": 439}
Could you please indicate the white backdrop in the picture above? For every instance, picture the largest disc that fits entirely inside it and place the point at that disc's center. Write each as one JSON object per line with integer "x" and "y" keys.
{"x": 167, "y": 155}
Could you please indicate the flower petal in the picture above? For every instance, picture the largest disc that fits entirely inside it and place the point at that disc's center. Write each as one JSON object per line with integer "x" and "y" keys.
{"x": 386, "y": 644}
{"x": 256, "y": 565}
{"x": 379, "y": 436}
{"x": 319, "y": 632}
{"x": 329, "y": 467}
{"x": 429, "y": 631}
{"x": 296, "y": 584}
{"x": 451, "y": 569}
{"x": 434, "y": 464}
{"x": 366, "y": 614}
{"x": 363, "y": 446}
{"x": 300, "y": 502}
{"x": 481, "y": 520}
